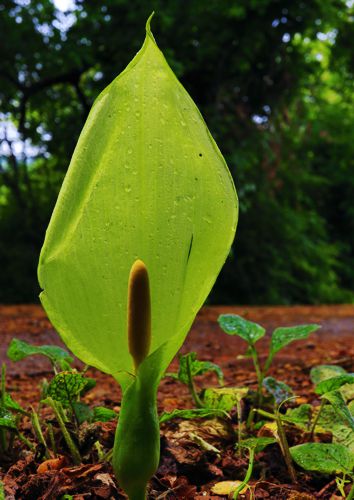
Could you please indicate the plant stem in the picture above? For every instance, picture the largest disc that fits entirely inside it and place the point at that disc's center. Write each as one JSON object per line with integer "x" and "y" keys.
{"x": 351, "y": 493}
{"x": 75, "y": 454}
{"x": 260, "y": 377}
{"x": 312, "y": 432}
{"x": 136, "y": 450}
{"x": 239, "y": 432}
{"x": 247, "y": 476}
{"x": 285, "y": 447}
{"x": 25, "y": 440}
{"x": 191, "y": 385}
{"x": 51, "y": 439}
{"x": 38, "y": 431}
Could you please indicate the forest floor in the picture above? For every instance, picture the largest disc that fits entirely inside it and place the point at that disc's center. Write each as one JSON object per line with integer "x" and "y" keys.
{"x": 186, "y": 470}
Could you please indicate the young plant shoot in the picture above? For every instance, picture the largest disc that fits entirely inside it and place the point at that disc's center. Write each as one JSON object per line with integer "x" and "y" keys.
{"x": 142, "y": 226}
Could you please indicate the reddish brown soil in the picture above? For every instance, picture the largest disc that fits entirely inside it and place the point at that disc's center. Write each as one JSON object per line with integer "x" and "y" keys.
{"x": 186, "y": 471}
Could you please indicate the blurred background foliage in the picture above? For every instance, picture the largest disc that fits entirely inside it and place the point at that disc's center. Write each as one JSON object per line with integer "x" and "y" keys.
{"x": 274, "y": 81}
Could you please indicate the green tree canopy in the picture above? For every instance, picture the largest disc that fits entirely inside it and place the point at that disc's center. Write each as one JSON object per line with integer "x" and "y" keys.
{"x": 274, "y": 79}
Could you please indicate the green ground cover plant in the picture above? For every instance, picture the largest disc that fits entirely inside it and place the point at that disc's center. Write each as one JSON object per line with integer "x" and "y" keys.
{"x": 295, "y": 432}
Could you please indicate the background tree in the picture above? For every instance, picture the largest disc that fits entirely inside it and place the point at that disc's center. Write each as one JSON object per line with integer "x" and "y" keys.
{"x": 274, "y": 80}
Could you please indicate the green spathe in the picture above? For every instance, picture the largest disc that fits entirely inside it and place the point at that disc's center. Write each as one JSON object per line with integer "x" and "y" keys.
{"x": 147, "y": 182}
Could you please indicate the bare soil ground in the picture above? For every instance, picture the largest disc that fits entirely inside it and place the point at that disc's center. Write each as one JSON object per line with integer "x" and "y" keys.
{"x": 186, "y": 471}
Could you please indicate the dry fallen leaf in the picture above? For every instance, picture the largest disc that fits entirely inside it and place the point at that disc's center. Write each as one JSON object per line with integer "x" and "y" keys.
{"x": 227, "y": 487}
{"x": 51, "y": 464}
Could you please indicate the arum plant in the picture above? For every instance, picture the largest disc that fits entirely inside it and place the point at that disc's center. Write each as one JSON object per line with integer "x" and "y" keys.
{"x": 142, "y": 226}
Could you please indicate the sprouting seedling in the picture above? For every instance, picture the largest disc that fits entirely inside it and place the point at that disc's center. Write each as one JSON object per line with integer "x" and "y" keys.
{"x": 281, "y": 394}
{"x": 251, "y": 332}
{"x": 254, "y": 446}
{"x": 10, "y": 411}
{"x": 146, "y": 183}
{"x": 190, "y": 367}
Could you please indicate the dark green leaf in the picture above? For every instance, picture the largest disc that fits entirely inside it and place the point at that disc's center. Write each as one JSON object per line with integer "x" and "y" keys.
{"x": 334, "y": 383}
{"x": 235, "y": 325}
{"x": 19, "y": 349}
{"x": 279, "y": 390}
{"x": 7, "y": 420}
{"x": 337, "y": 401}
{"x": 224, "y": 398}
{"x": 83, "y": 412}
{"x": 102, "y": 414}
{"x": 190, "y": 361}
{"x": 257, "y": 443}
{"x": 323, "y": 372}
{"x": 66, "y": 386}
{"x": 285, "y": 335}
{"x": 327, "y": 458}
{"x": 195, "y": 413}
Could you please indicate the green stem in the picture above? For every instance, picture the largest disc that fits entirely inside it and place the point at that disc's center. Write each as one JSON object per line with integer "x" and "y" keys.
{"x": 25, "y": 440}
{"x": 51, "y": 439}
{"x": 267, "y": 365}
{"x": 351, "y": 493}
{"x": 247, "y": 476}
{"x": 260, "y": 377}
{"x": 75, "y": 454}
{"x": 136, "y": 450}
{"x": 239, "y": 431}
{"x": 38, "y": 431}
{"x": 191, "y": 385}
{"x": 313, "y": 427}
{"x": 285, "y": 448}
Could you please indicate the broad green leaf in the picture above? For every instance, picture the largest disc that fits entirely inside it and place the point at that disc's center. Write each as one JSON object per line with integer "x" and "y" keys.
{"x": 235, "y": 325}
{"x": 19, "y": 349}
{"x": 190, "y": 361}
{"x": 224, "y": 398}
{"x": 7, "y": 420}
{"x": 102, "y": 414}
{"x": 279, "y": 390}
{"x": 148, "y": 182}
{"x": 334, "y": 383}
{"x": 323, "y": 372}
{"x": 257, "y": 443}
{"x": 337, "y": 401}
{"x": 285, "y": 335}
{"x": 299, "y": 416}
{"x": 195, "y": 413}
{"x": 66, "y": 386}
{"x": 328, "y": 458}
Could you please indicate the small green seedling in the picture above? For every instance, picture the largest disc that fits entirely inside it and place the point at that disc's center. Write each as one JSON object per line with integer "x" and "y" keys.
{"x": 254, "y": 446}
{"x": 10, "y": 415}
{"x": 281, "y": 393}
{"x": 251, "y": 333}
{"x": 63, "y": 394}
{"x": 142, "y": 226}
{"x": 190, "y": 367}
{"x": 326, "y": 458}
